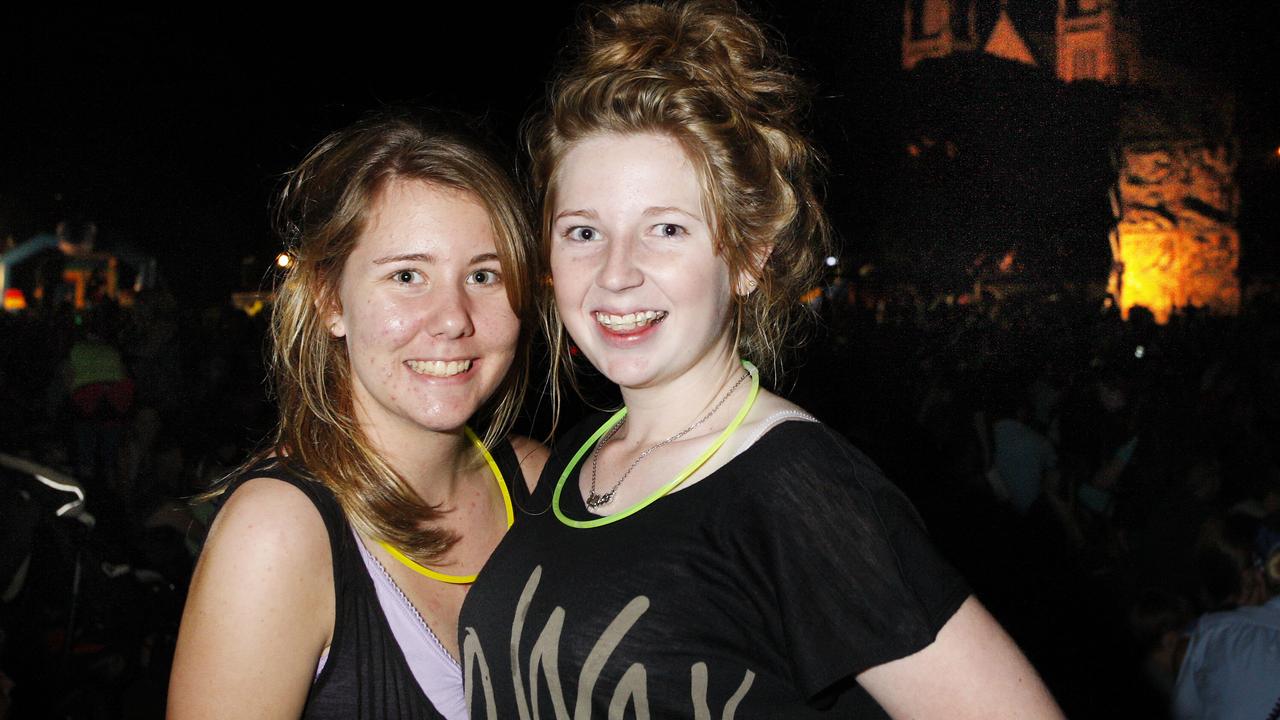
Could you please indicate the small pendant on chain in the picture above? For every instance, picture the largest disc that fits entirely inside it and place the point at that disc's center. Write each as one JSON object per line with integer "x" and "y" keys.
{"x": 594, "y": 501}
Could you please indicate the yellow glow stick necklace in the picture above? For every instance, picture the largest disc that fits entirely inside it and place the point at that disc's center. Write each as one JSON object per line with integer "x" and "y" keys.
{"x": 506, "y": 502}
{"x": 675, "y": 482}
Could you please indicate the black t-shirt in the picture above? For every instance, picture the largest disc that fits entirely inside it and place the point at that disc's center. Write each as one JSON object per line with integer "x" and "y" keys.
{"x": 759, "y": 592}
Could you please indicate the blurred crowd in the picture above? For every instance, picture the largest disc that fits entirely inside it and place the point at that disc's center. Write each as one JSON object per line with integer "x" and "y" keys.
{"x": 1105, "y": 484}
{"x": 141, "y": 407}
{"x": 1111, "y": 488}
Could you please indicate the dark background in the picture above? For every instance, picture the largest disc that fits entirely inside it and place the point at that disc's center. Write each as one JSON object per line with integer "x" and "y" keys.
{"x": 172, "y": 130}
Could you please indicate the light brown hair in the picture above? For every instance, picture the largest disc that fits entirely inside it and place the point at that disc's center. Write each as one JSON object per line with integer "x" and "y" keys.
{"x": 321, "y": 214}
{"x": 707, "y": 75}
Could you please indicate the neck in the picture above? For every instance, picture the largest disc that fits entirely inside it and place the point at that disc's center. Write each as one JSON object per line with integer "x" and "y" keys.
{"x": 435, "y": 464}
{"x": 658, "y": 412}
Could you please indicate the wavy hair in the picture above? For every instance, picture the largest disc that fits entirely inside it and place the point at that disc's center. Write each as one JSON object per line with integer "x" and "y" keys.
{"x": 321, "y": 212}
{"x": 707, "y": 75}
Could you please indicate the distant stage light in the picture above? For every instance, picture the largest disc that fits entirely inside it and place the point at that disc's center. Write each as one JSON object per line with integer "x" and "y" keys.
{"x": 1139, "y": 351}
{"x": 284, "y": 260}
{"x": 831, "y": 261}
{"x": 14, "y": 299}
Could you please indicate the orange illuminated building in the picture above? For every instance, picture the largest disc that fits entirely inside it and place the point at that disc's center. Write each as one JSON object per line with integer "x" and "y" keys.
{"x": 1096, "y": 42}
{"x": 1091, "y": 39}
{"x": 937, "y": 28}
{"x": 1175, "y": 201}
{"x": 1175, "y": 243}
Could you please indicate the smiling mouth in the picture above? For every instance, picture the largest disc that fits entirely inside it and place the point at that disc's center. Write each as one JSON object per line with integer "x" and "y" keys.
{"x": 630, "y": 321}
{"x": 439, "y": 368}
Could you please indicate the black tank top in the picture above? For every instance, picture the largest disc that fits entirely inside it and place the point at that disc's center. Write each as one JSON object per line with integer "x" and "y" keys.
{"x": 366, "y": 674}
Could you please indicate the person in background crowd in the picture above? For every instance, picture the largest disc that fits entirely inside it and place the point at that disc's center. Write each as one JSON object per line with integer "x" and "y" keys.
{"x": 1232, "y": 661}
{"x": 101, "y": 395}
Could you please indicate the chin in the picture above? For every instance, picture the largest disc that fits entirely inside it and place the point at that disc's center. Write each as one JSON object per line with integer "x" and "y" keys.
{"x": 630, "y": 372}
{"x": 444, "y": 417}
{"x": 443, "y": 424}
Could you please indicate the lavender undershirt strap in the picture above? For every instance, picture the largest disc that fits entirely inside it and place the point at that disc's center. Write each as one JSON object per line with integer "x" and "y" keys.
{"x": 437, "y": 673}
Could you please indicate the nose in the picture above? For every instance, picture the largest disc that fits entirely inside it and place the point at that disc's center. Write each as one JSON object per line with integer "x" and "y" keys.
{"x": 449, "y": 314}
{"x": 619, "y": 271}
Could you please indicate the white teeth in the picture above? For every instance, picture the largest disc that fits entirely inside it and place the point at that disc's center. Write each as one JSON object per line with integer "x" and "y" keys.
{"x": 630, "y": 321}
{"x": 439, "y": 368}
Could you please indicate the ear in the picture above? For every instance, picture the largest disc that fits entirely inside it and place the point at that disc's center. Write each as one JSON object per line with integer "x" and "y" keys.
{"x": 331, "y": 310}
{"x": 746, "y": 282}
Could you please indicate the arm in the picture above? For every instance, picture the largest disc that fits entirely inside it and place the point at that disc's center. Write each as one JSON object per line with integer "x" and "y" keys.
{"x": 260, "y": 609}
{"x": 1110, "y": 472}
{"x": 972, "y": 670}
{"x": 533, "y": 455}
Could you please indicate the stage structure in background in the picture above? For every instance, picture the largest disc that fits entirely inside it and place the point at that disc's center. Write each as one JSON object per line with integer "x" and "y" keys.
{"x": 65, "y": 266}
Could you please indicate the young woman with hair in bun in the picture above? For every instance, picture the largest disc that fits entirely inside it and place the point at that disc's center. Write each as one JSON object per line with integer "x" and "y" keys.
{"x": 710, "y": 550}
{"x": 332, "y": 578}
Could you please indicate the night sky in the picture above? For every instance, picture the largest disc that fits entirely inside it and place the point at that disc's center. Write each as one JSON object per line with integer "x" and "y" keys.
{"x": 173, "y": 133}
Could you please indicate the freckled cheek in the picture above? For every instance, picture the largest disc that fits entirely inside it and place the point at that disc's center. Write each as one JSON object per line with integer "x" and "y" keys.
{"x": 568, "y": 302}
{"x": 395, "y": 329}
{"x": 576, "y": 264}
{"x": 498, "y": 326}
{"x": 397, "y": 324}
{"x": 682, "y": 280}
{"x": 572, "y": 276}
{"x": 569, "y": 284}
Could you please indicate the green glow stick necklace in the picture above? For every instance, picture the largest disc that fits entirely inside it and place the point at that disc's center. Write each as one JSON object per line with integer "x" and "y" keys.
{"x": 675, "y": 482}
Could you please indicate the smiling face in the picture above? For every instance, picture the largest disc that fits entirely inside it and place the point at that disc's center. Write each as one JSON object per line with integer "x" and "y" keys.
{"x": 638, "y": 282}
{"x": 429, "y": 330}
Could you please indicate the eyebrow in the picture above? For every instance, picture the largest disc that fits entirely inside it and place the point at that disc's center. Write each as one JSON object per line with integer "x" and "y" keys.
{"x": 657, "y": 210}
{"x": 406, "y": 257}
{"x": 589, "y": 214}
{"x": 672, "y": 208}
{"x": 430, "y": 259}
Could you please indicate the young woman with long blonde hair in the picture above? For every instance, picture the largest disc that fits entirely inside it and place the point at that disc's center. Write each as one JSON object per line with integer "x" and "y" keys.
{"x": 333, "y": 575}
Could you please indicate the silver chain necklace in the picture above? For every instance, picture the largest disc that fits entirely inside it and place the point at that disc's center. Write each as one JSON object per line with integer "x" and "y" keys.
{"x": 595, "y": 500}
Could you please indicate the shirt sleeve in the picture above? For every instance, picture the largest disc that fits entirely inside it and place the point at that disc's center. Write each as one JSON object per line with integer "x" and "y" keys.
{"x": 855, "y": 579}
{"x": 1186, "y": 703}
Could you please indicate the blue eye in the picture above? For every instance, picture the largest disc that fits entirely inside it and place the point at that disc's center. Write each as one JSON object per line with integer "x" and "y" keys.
{"x": 582, "y": 233}
{"x": 483, "y": 277}
{"x": 669, "y": 230}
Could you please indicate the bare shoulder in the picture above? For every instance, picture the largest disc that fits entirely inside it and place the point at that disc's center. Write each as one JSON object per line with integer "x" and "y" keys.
{"x": 532, "y": 455}
{"x": 268, "y": 541}
{"x": 266, "y": 510}
{"x": 260, "y": 609}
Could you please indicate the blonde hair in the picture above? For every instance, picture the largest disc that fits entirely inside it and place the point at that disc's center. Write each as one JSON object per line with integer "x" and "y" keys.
{"x": 321, "y": 213}
{"x": 706, "y": 75}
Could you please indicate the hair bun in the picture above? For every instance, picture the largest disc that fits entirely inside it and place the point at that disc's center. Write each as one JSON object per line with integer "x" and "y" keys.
{"x": 705, "y": 73}
{"x": 706, "y": 43}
